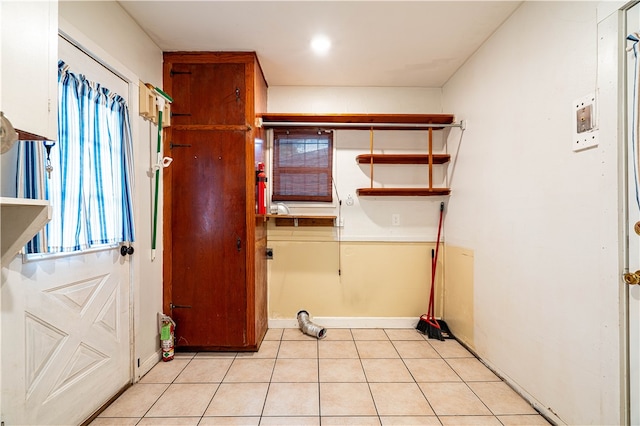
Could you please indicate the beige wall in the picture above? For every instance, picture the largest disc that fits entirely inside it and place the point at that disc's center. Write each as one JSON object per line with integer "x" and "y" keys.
{"x": 458, "y": 292}
{"x": 378, "y": 279}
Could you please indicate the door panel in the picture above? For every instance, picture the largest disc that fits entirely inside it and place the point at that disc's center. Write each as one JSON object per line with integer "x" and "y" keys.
{"x": 208, "y": 238}
{"x": 208, "y": 94}
{"x": 65, "y": 337}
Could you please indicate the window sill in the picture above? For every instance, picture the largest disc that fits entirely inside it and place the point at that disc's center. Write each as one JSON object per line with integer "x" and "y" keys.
{"x": 299, "y": 221}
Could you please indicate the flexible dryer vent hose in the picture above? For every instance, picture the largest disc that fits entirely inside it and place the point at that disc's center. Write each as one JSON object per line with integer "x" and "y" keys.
{"x": 310, "y": 328}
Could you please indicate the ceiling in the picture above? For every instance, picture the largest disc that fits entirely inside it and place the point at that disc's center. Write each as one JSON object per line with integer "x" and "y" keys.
{"x": 374, "y": 43}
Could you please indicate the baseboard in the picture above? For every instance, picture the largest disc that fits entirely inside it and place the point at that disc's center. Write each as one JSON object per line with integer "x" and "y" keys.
{"x": 148, "y": 364}
{"x": 349, "y": 322}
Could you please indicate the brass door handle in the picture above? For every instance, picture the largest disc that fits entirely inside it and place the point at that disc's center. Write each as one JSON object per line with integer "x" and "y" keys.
{"x": 632, "y": 278}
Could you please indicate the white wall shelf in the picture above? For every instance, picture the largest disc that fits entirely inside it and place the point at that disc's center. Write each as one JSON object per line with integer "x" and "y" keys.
{"x": 21, "y": 219}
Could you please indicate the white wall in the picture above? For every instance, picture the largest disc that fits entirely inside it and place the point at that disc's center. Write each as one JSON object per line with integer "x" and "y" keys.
{"x": 110, "y": 33}
{"x": 356, "y": 100}
{"x": 541, "y": 219}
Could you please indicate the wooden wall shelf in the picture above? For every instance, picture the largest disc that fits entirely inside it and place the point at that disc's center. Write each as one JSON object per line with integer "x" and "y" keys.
{"x": 371, "y": 122}
{"x": 402, "y": 158}
{"x": 292, "y": 220}
{"x": 402, "y": 192}
{"x": 359, "y": 121}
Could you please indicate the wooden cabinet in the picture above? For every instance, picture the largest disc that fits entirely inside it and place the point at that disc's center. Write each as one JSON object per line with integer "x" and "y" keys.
{"x": 29, "y": 34}
{"x": 215, "y": 242}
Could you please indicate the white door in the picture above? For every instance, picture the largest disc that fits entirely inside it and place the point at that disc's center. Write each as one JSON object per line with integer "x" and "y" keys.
{"x": 65, "y": 337}
{"x": 633, "y": 209}
{"x": 66, "y": 346}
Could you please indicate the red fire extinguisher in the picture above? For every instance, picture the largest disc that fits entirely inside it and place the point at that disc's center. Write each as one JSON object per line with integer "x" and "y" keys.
{"x": 261, "y": 181}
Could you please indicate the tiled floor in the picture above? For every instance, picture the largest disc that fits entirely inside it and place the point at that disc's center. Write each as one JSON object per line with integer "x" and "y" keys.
{"x": 352, "y": 377}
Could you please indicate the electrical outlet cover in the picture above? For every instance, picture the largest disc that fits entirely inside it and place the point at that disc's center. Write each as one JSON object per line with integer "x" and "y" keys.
{"x": 585, "y": 129}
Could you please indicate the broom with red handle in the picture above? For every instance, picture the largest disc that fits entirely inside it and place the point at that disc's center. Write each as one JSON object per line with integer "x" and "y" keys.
{"x": 428, "y": 324}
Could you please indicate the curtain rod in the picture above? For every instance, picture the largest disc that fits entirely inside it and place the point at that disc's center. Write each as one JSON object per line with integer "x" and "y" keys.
{"x": 461, "y": 124}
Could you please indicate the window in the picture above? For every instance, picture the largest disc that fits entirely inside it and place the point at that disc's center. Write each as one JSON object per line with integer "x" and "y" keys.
{"x": 89, "y": 184}
{"x": 302, "y": 165}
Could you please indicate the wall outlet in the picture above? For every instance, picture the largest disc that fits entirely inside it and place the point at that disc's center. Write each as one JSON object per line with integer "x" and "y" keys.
{"x": 395, "y": 219}
{"x": 585, "y": 129}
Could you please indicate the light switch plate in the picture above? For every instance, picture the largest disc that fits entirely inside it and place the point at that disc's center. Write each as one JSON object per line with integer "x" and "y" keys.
{"x": 585, "y": 128}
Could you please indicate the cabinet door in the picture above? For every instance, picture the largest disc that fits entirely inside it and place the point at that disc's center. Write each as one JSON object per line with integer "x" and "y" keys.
{"x": 209, "y": 244}
{"x": 208, "y": 94}
{"x": 29, "y": 65}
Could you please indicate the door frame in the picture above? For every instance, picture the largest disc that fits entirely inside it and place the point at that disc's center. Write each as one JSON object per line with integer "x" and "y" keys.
{"x": 630, "y": 242}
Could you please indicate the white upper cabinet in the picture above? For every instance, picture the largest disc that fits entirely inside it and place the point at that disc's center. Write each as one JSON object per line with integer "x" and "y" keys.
{"x": 29, "y": 59}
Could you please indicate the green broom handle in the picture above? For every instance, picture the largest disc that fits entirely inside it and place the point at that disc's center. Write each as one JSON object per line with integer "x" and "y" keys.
{"x": 155, "y": 201}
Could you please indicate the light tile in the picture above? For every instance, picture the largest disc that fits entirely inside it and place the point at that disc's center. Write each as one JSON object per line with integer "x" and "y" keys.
{"x": 169, "y": 421}
{"x": 183, "y": 400}
{"x": 338, "y": 334}
{"x": 450, "y": 348}
{"x": 395, "y": 399}
{"x": 202, "y": 370}
{"x": 472, "y": 370}
{"x": 135, "y": 401}
{"x": 337, "y": 349}
{"x": 114, "y": 421}
{"x": 341, "y": 370}
{"x": 431, "y": 370}
{"x": 298, "y": 349}
{"x": 268, "y": 349}
{"x": 295, "y": 370}
{"x": 250, "y": 370}
{"x": 351, "y": 421}
{"x": 523, "y": 420}
{"x": 403, "y": 334}
{"x": 165, "y": 372}
{"x": 273, "y": 334}
{"x": 386, "y": 370}
{"x": 230, "y": 421}
{"x": 470, "y": 421}
{"x": 410, "y": 421}
{"x": 293, "y": 421}
{"x": 415, "y": 349}
{"x": 184, "y": 355}
{"x": 369, "y": 334}
{"x": 501, "y": 399}
{"x": 296, "y": 334}
{"x": 292, "y": 399}
{"x": 294, "y": 378}
{"x": 376, "y": 349}
{"x": 201, "y": 355}
{"x": 346, "y": 399}
{"x": 238, "y": 399}
{"x": 453, "y": 399}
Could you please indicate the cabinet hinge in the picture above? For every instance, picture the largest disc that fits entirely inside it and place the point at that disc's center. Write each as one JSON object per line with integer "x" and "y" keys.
{"x": 172, "y": 72}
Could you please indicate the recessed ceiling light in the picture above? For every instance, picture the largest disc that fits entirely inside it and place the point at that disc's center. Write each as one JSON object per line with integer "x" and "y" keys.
{"x": 320, "y": 44}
